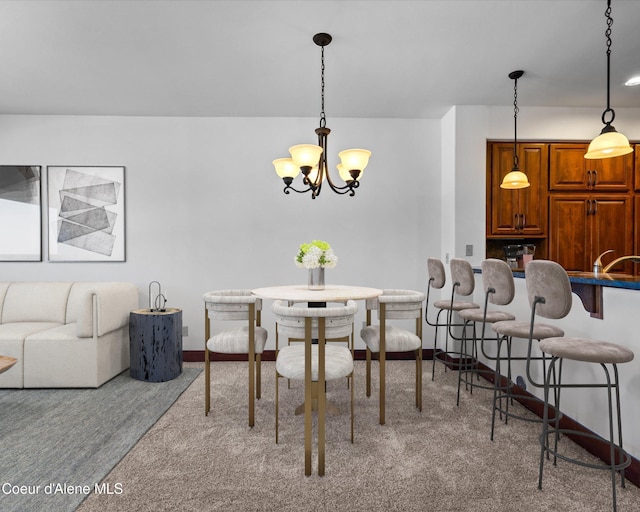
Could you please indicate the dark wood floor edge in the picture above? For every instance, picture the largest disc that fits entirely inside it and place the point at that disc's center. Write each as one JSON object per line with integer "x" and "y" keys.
{"x": 598, "y": 447}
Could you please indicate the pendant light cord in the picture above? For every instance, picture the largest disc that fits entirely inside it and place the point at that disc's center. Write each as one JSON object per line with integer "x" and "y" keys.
{"x": 608, "y": 35}
{"x": 515, "y": 124}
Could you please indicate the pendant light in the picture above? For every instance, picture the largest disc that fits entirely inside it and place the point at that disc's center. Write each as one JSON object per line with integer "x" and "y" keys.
{"x": 609, "y": 143}
{"x": 516, "y": 178}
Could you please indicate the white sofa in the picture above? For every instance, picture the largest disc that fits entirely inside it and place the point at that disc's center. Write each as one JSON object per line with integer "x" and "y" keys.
{"x": 65, "y": 334}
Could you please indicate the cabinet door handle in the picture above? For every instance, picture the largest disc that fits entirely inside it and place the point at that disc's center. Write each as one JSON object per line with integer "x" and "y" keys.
{"x": 588, "y": 179}
{"x": 522, "y": 223}
{"x": 595, "y": 178}
{"x": 595, "y": 206}
{"x": 588, "y": 206}
{"x": 515, "y": 221}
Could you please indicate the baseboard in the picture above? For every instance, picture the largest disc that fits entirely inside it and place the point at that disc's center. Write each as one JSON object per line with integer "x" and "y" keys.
{"x": 597, "y": 447}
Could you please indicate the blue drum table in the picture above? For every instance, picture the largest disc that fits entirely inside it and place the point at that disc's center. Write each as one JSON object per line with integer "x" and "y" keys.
{"x": 155, "y": 343}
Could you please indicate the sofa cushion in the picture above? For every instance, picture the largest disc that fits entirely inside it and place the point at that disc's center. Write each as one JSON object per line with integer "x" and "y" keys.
{"x": 36, "y": 302}
{"x": 12, "y": 344}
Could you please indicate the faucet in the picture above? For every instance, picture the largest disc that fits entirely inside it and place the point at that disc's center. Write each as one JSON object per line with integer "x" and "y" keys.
{"x": 597, "y": 265}
{"x": 618, "y": 260}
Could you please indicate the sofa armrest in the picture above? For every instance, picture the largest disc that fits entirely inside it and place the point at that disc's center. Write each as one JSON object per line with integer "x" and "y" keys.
{"x": 105, "y": 307}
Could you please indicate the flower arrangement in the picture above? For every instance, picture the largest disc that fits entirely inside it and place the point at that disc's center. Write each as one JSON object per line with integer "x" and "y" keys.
{"x": 316, "y": 254}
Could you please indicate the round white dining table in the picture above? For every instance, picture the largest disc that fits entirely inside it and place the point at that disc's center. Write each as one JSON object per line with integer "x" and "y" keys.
{"x": 331, "y": 293}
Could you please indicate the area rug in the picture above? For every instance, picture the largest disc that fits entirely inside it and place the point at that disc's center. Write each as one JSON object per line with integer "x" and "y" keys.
{"x": 58, "y": 444}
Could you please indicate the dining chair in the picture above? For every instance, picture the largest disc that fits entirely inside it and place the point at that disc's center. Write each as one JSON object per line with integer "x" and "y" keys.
{"x": 348, "y": 340}
{"x": 462, "y": 287}
{"x": 549, "y": 293}
{"x": 315, "y": 364}
{"x": 385, "y": 337}
{"x": 246, "y": 337}
{"x": 499, "y": 289}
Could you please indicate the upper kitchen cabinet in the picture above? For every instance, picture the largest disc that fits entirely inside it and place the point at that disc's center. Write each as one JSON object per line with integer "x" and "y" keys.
{"x": 569, "y": 170}
{"x": 523, "y": 212}
{"x": 637, "y": 164}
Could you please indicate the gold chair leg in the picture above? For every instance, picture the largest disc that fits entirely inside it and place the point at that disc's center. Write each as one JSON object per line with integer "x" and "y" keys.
{"x": 276, "y": 406}
{"x": 352, "y": 403}
{"x": 419, "y": 379}
{"x": 307, "y": 398}
{"x": 368, "y": 373}
{"x": 258, "y": 376}
{"x": 382, "y": 361}
{"x": 207, "y": 382}
{"x": 322, "y": 395}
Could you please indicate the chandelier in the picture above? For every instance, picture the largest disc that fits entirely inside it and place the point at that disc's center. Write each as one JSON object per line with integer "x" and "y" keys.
{"x": 609, "y": 143}
{"x": 516, "y": 178}
{"x": 311, "y": 159}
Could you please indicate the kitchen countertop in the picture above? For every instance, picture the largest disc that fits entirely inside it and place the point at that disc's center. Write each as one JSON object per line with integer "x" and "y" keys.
{"x": 588, "y": 286}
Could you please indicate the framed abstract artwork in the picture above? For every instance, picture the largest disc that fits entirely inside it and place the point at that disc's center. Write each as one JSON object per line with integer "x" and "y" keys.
{"x": 21, "y": 214}
{"x": 86, "y": 213}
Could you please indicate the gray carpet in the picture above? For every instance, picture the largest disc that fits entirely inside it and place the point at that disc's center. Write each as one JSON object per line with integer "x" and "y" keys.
{"x": 57, "y": 441}
{"x": 439, "y": 460}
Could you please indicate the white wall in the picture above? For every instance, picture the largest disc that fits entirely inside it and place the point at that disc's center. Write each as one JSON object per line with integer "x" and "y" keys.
{"x": 205, "y": 209}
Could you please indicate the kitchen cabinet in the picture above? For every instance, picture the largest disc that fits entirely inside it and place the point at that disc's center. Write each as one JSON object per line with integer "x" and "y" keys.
{"x": 637, "y": 168}
{"x": 523, "y": 212}
{"x": 582, "y": 226}
{"x": 570, "y": 171}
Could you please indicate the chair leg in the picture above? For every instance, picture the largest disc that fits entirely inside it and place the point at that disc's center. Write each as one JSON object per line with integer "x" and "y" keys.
{"x": 381, "y": 363}
{"x": 352, "y": 404}
{"x": 368, "y": 372}
{"x": 419, "y": 379}
{"x": 258, "y": 376}
{"x": 252, "y": 395}
{"x": 207, "y": 382}
{"x": 277, "y": 376}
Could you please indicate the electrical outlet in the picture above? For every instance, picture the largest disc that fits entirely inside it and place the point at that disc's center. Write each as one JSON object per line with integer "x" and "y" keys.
{"x": 469, "y": 250}
{"x": 185, "y": 330}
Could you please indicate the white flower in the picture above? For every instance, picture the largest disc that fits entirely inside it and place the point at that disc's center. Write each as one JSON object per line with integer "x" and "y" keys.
{"x": 316, "y": 254}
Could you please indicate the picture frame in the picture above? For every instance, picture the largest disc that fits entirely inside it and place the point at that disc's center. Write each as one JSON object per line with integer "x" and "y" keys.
{"x": 21, "y": 213}
{"x": 86, "y": 213}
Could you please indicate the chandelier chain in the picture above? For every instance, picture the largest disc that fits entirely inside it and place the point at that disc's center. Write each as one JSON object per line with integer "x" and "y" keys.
{"x": 323, "y": 118}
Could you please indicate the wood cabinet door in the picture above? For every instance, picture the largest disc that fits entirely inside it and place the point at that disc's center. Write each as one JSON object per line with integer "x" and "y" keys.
{"x": 611, "y": 225}
{"x": 569, "y": 233}
{"x": 567, "y": 167}
{"x": 519, "y": 212}
{"x": 610, "y": 174}
{"x": 570, "y": 170}
{"x": 533, "y": 160}
{"x": 503, "y": 203}
{"x": 637, "y": 170}
{"x": 584, "y": 226}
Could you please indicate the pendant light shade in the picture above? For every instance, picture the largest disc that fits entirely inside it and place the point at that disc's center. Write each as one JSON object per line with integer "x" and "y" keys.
{"x": 609, "y": 143}
{"x": 516, "y": 178}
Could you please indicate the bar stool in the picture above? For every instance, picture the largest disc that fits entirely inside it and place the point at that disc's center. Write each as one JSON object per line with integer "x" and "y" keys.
{"x": 507, "y": 331}
{"x": 463, "y": 285}
{"x": 499, "y": 288}
{"x": 548, "y": 285}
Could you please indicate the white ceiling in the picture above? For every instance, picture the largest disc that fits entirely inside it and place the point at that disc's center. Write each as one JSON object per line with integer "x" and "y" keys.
{"x": 405, "y": 59}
